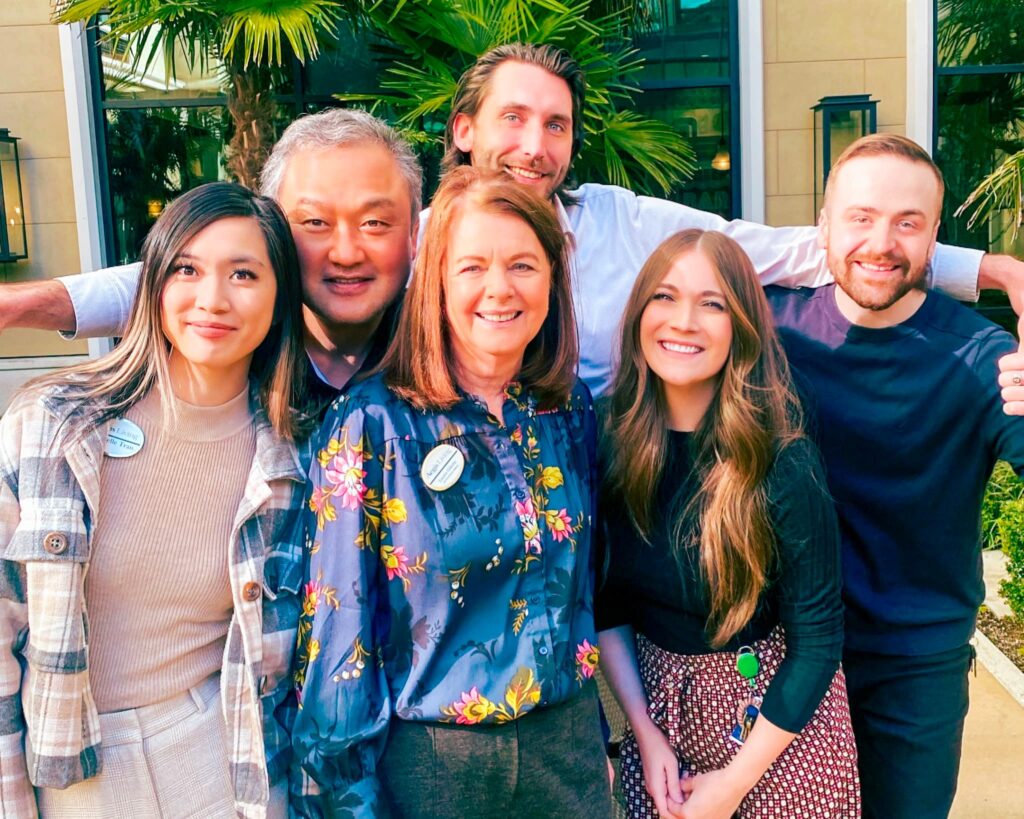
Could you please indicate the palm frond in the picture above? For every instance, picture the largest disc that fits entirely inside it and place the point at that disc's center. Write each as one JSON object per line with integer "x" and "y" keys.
{"x": 1003, "y": 189}
{"x": 264, "y": 23}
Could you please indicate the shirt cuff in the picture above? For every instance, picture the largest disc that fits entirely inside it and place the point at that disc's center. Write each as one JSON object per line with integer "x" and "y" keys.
{"x": 102, "y": 300}
{"x": 955, "y": 271}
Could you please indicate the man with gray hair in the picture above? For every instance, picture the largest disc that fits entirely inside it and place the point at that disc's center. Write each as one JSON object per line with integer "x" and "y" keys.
{"x": 351, "y": 188}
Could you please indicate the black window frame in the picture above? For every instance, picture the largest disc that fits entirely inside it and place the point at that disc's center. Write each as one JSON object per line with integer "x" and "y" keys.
{"x": 1000, "y": 313}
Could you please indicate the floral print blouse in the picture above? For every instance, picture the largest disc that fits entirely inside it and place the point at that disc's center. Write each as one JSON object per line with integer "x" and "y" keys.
{"x": 468, "y": 605}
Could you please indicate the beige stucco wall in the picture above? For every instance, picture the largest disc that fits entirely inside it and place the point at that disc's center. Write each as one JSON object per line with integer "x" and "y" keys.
{"x": 32, "y": 107}
{"x": 816, "y": 48}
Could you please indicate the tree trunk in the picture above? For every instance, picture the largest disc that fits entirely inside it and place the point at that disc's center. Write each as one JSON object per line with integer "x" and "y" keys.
{"x": 252, "y": 109}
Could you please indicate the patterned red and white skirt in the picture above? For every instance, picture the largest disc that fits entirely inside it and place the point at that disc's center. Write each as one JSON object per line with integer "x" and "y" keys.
{"x": 694, "y": 698}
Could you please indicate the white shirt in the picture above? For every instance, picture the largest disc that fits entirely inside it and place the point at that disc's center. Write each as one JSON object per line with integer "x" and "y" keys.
{"x": 613, "y": 232}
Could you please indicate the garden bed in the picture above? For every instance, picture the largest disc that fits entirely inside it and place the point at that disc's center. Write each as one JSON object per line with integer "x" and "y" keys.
{"x": 1006, "y": 633}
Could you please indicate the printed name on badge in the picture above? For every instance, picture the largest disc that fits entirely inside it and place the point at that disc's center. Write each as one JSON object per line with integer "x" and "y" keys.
{"x": 442, "y": 467}
{"x": 124, "y": 439}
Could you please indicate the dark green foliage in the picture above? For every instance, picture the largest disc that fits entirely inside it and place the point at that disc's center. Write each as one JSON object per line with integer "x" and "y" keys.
{"x": 1003, "y": 487}
{"x": 426, "y": 45}
{"x": 1011, "y": 533}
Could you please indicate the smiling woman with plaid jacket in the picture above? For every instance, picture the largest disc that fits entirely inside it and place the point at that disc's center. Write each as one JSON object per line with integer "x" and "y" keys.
{"x": 148, "y": 585}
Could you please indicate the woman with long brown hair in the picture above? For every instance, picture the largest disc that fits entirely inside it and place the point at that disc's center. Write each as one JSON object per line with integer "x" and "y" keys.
{"x": 721, "y": 618}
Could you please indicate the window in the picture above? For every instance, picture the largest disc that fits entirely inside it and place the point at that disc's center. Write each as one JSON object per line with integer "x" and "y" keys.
{"x": 691, "y": 81}
{"x": 978, "y": 105}
{"x": 164, "y": 134}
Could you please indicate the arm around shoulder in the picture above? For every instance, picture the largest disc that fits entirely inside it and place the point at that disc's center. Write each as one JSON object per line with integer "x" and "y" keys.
{"x": 83, "y": 306}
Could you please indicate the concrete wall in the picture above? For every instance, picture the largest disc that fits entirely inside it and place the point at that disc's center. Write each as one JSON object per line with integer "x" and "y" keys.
{"x": 816, "y": 48}
{"x": 32, "y": 107}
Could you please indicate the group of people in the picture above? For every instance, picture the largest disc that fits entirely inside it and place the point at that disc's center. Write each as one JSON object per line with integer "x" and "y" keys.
{"x": 581, "y": 435}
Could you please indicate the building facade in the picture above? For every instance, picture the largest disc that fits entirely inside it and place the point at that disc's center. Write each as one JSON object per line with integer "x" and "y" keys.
{"x": 103, "y": 146}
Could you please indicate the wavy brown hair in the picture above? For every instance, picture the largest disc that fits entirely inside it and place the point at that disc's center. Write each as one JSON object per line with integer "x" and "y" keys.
{"x": 419, "y": 365}
{"x": 754, "y": 413}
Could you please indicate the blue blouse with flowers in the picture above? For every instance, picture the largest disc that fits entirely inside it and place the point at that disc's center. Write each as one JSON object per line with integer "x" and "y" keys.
{"x": 470, "y": 605}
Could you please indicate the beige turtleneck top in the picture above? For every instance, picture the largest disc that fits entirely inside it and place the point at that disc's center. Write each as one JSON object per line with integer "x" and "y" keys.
{"x": 157, "y": 591}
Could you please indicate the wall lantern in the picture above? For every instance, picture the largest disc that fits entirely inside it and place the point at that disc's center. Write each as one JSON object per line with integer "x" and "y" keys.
{"x": 838, "y": 122}
{"x": 13, "y": 242}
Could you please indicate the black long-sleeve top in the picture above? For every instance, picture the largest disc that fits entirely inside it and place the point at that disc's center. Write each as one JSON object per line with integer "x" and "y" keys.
{"x": 667, "y": 601}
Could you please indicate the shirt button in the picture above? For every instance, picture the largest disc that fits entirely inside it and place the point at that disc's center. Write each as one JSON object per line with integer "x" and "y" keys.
{"x": 543, "y": 651}
{"x": 55, "y": 543}
{"x": 251, "y": 591}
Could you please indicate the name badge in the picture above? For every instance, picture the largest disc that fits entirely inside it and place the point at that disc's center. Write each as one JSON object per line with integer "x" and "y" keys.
{"x": 124, "y": 439}
{"x": 442, "y": 467}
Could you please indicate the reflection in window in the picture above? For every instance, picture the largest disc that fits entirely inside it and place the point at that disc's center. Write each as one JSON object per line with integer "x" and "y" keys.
{"x": 979, "y": 125}
{"x": 129, "y": 74}
{"x": 684, "y": 38}
{"x": 976, "y": 33}
{"x": 979, "y": 102}
{"x": 152, "y": 156}
{"x": 701, "y": 115}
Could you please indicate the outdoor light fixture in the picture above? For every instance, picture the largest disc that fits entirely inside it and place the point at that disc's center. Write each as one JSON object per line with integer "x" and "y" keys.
{"x": 13, "y": 242}
{"x": 838, "y": 122}
{"x": 721, "y": 160}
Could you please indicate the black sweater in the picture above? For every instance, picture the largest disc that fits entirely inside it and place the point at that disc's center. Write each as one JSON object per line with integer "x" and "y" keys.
{"x": 667, "y": 601}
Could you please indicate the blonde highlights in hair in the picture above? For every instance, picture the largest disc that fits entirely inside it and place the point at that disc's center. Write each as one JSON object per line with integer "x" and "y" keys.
{"x": 753, "y": 415}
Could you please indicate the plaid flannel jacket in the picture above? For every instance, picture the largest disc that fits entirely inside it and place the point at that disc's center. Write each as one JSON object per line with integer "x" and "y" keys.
{"x": 49, "y": 726}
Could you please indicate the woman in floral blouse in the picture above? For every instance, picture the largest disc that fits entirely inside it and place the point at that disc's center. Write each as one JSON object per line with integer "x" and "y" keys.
{"x": 447, "y": 645}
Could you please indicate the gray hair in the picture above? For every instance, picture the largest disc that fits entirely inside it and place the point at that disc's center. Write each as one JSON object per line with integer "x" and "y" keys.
{"x": 337, "y": 127}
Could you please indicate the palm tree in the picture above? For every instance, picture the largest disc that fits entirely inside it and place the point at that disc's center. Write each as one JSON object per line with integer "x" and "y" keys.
{"x": 425, "y": 45}
{"x": 246, "y": 37}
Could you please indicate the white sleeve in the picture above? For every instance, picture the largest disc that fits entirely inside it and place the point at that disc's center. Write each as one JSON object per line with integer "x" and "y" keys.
{"x": 102, "y": 300}
{"x": 955, "y": 271}
{"x": 790, "y": 256}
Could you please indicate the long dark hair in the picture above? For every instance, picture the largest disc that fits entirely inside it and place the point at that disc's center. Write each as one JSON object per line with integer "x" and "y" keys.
{"x": 118, "y": 380}
{"x": 754, "y": 413}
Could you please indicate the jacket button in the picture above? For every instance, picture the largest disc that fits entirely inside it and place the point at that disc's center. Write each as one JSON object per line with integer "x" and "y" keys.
{"x": 251, "y": 591}
{"x": 55, "y": 543}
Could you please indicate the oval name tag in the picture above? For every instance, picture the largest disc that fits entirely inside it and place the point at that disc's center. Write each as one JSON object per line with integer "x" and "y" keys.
{"x": 442, "y": 467}
{"x": 124, "y": 439}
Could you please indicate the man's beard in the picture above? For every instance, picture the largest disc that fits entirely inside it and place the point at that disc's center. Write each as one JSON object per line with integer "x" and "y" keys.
{"x": 877, "y": 296}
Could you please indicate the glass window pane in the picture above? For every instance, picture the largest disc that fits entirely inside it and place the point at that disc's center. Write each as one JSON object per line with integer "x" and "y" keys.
{"x": 701, "y": 115}
{"x": 684, "y": 38}
{"x": 153, "y": 155}
{"x": 348, "y": 67}
{"x": 126, "y": 76}
{"x": 15, "y": 226}
{"x": 973, "y": 32}
{"x": 979, "y": 126}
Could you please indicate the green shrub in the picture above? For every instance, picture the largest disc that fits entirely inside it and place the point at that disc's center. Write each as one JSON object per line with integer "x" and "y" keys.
{"x": 1003, "y": 487}
{"x": 1011, "y": 536}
